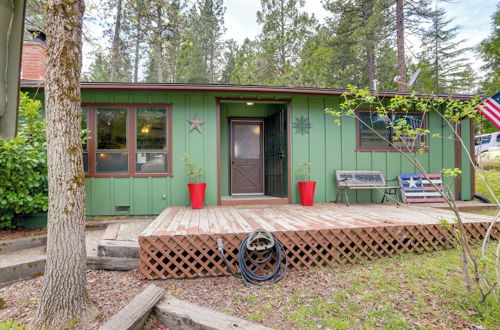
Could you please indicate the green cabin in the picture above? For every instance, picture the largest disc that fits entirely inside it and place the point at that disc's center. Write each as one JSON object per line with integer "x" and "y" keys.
{"x": 249, "y": 139}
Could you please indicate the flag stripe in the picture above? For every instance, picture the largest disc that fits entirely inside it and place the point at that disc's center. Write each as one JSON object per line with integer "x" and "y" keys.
{"x": 490, "y": 108}
{"x": 425, "y": 200}
{"x": 490, "y": 115}
{"x": 493, "y": 107}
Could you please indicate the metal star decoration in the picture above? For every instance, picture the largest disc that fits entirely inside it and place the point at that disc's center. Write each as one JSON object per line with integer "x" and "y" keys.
{"x": 302, "y": 125}
{"x": 195, "y": 123}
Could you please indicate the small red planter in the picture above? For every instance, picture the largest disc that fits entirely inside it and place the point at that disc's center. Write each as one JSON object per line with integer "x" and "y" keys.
{"x": 306, "y": 189}
{"x": 197, "y": 194}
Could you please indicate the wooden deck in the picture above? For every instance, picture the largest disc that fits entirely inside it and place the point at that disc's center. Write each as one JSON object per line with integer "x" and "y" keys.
{"x": 181, "y": 242}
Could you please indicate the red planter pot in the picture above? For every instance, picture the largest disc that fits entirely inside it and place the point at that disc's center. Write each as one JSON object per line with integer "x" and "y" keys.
{"x": 197, "y": 194}
{"x": 306, "y": 189}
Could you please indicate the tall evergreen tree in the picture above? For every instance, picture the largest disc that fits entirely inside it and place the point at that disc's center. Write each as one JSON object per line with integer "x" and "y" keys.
{"x": 284, "y": 30}
{"x": 442, "y": 57}
{"x": 230, "y": 54}
{"x": 248, "y": 67}
{"x": 363, "y": 24}
{"x": 201, "y": 58}
{"x": 489, "y": 49}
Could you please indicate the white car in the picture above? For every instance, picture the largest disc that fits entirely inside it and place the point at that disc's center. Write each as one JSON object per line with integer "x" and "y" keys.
{"x": 490, "y": 158}
{"x": 485, "y": 142}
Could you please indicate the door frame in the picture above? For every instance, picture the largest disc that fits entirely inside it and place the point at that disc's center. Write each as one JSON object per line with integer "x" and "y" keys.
{"x": 288, "y": 102}
{"x": 230, "y": 151}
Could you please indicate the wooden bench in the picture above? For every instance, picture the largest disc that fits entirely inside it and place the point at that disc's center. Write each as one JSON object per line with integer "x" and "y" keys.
{"x": 362, "y": 180}
{"x": 415, "y": 188}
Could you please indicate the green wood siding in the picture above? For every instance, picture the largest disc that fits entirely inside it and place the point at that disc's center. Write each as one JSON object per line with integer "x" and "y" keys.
{"x": 328, "y": 146}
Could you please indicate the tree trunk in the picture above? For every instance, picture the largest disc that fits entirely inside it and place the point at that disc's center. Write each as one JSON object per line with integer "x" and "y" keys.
{"x": 159, "y": 45}
{"x": 367, "y": 13}
{"x": 400, "y": 41}
{"x": 136, "y": 56}
{"x": 116, "y": 42}
{"x": 64, "y": 291}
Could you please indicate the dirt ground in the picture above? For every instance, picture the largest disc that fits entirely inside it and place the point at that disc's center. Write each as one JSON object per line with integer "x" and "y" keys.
{"x": 21, "y": 232}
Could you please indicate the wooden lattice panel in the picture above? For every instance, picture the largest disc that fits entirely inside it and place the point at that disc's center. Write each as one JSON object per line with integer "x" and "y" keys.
{"x": 186, "y": 256}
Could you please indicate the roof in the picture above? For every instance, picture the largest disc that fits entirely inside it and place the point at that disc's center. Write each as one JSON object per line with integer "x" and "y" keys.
{"x": 175, "y": 87}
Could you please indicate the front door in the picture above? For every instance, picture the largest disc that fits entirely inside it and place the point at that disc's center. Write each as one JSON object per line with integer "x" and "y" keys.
{"x": 247, "y": 157}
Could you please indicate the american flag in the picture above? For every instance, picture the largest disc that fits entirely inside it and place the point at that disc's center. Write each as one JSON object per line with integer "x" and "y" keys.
{"x": 491, "y": 109}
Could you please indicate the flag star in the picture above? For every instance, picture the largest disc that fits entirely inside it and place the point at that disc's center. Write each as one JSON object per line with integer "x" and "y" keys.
{"x": 412, "y": 183}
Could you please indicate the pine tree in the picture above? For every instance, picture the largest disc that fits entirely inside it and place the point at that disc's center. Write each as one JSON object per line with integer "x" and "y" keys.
{"x": 98, "y": 69}
{"x": 230, "y": 54}
{"x": 360, "y": 26}
{"x": 489, "y": 49}
{"x": 201, "y": 57}
{"x": 249, "y": 65}
{"x": 284, "y": 31}
{"x": 442, "y": 57}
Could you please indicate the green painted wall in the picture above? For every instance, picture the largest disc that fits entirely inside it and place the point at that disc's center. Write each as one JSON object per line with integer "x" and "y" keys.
{"x": 328, "y": 146}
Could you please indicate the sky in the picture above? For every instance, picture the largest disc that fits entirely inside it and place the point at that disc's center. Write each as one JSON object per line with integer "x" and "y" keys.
{"x": 474, "y": 17}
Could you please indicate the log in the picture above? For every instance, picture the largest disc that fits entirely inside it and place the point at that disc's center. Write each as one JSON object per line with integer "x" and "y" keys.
{"x": 178, "y": 314}
{"x": 112, "y": 263}
{"x": 133, "y": 315}
{"x": 120, "y": 249}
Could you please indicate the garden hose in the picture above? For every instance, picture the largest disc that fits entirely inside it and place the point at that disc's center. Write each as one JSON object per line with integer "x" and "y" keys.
{"x": 264, "y": 245}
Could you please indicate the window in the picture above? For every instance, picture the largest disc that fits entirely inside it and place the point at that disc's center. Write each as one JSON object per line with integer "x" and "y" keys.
{"x": 482, "y": 140}
{"x": 128, "y": 140}
{"x": 85, "y": 145}
{"x": 151, "y": 143}
{"x": 375, "y": 133}
{"x": 112, "y": 141}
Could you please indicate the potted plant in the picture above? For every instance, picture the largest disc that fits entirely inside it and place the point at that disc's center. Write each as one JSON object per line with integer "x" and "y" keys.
{"x": 306, "y": 187}
{"x": 196, "y": 189}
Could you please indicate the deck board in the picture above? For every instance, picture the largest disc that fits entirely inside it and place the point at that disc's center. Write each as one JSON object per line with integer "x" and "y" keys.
{"x": 230, "y": 219}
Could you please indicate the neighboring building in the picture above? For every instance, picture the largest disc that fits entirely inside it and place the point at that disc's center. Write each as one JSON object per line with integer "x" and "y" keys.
{"x": 249, "y": 139}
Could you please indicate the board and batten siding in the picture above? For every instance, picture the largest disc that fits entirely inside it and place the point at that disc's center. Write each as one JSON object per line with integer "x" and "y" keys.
{"x": 328, "y": 146}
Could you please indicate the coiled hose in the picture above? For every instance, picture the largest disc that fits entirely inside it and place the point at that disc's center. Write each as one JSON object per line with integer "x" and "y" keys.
{"x": 248, "y": 273}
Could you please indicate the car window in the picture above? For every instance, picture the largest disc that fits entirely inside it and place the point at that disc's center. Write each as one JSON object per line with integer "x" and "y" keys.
{"x": 485, "y": 139}
{"x": 498, "y": 138}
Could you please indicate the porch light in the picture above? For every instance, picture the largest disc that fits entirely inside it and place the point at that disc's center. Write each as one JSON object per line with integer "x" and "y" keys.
{"x": 249, "y": 103}
{"x": 145, "y": 130}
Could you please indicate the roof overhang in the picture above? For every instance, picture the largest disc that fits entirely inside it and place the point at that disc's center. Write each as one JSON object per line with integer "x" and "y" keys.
{"x": 219, "y": 88}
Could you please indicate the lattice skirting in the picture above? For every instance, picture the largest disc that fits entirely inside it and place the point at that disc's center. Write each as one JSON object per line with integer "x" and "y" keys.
{"x": 197, "y": 255}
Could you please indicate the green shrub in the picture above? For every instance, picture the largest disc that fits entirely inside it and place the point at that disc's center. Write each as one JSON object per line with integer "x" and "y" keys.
{"x": 23, "y": 166}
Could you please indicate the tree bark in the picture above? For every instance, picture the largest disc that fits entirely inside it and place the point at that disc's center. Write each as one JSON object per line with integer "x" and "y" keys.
{"x": 64, "y": 291}
{"x": 367, "y": 13}
{"x": 159, "y": 45}
{"x": 136, "y": 56}
{"x": 116, "y": 42}
{"x": 400, "y": 41}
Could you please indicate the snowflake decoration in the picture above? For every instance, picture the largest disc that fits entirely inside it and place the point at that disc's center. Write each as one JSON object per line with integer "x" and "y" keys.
{"x": 302, "y": 125}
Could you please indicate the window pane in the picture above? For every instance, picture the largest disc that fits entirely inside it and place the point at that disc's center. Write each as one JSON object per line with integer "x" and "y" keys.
{"x": 368, "y": 138}
{"x": 84, "y": 144}
{"x": 151, "y": 162}
{"x": 111, "y": 128}
{"x": 246, "y": 141}
{"x": 86, "y": 162}
{"x": 414, "y": 121}
{"x": 84, "y": 124}
{"x": 151, "y": 129}
{"x": 107, "y": 162}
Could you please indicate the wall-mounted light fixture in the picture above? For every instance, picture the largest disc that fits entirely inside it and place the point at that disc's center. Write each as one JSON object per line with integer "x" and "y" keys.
{"x": 249, "y": 103}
